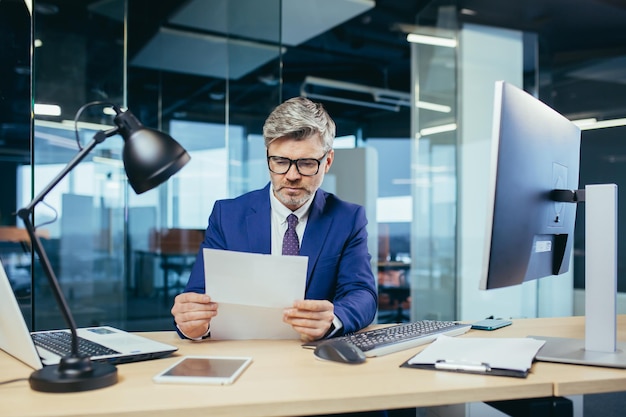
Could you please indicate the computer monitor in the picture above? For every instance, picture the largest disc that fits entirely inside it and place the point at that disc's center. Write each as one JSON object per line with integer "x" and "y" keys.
{"x": 535, "y": 150}
{"x": 531, "y": 218}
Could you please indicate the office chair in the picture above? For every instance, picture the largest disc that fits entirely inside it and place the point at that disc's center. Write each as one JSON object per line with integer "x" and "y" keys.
{"x": 394, "y": 294}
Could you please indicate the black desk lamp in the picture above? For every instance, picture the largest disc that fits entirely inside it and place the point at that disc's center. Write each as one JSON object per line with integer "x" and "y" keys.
{"x": 150, "y": 158}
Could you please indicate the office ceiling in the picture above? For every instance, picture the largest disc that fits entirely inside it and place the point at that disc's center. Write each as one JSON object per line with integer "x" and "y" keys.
{"x": 582, "y": 49}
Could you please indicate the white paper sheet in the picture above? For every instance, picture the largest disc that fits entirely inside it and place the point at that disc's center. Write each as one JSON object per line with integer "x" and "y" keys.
{"x": 252, "y": 290}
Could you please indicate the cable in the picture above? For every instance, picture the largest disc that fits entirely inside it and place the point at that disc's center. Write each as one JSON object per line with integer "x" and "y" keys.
{"x": 83, "y": 108}
{"x": 10, "y": 381}
{"x": 54, "y": 219}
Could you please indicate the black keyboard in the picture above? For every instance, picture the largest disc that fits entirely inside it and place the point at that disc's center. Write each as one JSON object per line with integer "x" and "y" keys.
{"x": 402, "y": 336}
{"x": 61, "y": 343}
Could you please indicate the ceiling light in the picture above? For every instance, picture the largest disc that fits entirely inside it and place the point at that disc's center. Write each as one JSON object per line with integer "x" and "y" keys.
{"x": 431, "y": 40}
{"x": 109, "y": 111}
{"x": 108, "y": 161}
{"x": 438, "y": 129}
{"x": 469, "y": 12}
{"x": 362, "y": 95}
{"x": 584, "y": 122}
{"x": 69, "y": 124}
{"x": 435, "y": 107}
{"x": 589, "y": 124}
{"x": 47, "y": 109}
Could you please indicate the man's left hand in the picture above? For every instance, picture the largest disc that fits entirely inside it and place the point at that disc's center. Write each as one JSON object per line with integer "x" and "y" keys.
{"x": 311, "y": 318}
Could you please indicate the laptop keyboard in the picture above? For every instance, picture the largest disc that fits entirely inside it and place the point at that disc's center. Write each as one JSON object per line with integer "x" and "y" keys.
{"x": 61, "y": 343}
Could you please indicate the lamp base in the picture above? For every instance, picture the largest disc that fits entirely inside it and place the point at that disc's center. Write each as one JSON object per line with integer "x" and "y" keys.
{"x": 73, "y": 375}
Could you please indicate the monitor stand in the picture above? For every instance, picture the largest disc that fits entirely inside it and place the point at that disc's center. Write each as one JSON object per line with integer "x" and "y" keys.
{"x": 600, "y": 346}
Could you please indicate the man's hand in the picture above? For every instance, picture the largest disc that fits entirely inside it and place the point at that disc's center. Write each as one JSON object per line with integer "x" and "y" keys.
{"x": 193, "y": 313}
{"x": 310, "y": 318}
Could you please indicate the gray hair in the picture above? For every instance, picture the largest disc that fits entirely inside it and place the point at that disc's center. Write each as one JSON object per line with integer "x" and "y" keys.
{"x": 299, "y": 118}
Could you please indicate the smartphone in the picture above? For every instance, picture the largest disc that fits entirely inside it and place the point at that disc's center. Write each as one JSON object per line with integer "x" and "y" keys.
{"x": 491, "y": 324}
{"x": 216, "y": 370}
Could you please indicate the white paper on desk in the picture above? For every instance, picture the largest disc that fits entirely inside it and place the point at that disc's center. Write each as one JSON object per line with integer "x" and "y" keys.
{"x": 252, "y": 290}
{"x": 503, "y": 353}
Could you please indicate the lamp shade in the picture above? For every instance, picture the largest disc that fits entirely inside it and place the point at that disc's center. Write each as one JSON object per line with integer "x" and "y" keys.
{"x": 150, "y": 156}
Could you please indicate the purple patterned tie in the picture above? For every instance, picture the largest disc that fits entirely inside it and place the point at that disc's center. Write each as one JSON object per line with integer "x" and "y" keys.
{"x": 291, "y": 245}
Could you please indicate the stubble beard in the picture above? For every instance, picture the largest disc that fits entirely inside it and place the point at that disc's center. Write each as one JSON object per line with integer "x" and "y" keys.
{"x": 292, "y": 201}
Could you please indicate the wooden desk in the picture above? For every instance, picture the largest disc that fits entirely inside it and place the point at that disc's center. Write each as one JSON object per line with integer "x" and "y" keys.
{"x": 573, "y": 379}
{"x": 286, "y": 380}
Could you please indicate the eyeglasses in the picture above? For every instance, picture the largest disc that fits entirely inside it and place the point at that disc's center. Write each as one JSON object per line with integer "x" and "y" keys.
{"x": 307, "y": 167}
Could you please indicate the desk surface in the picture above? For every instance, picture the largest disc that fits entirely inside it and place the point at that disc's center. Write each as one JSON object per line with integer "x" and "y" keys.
{"x": 285, "y": 380}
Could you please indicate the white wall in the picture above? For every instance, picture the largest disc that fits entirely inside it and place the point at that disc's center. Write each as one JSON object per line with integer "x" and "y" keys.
{"x": 353, "y": 177}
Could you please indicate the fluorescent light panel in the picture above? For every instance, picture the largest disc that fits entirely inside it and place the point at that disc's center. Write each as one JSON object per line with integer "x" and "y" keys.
{"x": 85, "y": 125}
{"x": 382, "y": 98}
{"x": 47, "y": 109}
{"x": 431, "y": 40}
{"x": 438, "y": 129}
{"x": 109, "y": 111}
{"x": 592, "y": 123}
{"x": 435, "y": 107}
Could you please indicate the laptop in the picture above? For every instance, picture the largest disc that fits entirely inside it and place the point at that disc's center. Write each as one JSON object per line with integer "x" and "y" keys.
{"x": 19, "y": 342}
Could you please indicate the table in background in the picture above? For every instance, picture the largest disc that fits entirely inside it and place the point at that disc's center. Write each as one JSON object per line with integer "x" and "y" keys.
{"x": 394, "y": 292}
{"x": 177, "y": 262}
{"x": 174, "y": 249}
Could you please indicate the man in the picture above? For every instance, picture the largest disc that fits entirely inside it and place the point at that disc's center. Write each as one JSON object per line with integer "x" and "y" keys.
{"x": 340, "y": 295}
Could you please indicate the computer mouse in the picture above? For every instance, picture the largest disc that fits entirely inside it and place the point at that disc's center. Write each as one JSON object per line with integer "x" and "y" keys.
{"x": 339, "y": 350}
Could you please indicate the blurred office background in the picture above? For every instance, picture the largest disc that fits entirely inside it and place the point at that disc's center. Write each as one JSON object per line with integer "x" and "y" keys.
{"x": 414, "y": 125}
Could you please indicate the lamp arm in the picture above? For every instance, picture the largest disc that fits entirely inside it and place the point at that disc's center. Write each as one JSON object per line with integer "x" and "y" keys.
{"x": 26, "y": 213}
{"x": 98, "y": 138}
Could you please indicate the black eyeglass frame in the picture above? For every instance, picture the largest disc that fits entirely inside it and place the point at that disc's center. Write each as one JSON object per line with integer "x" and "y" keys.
{"x": 295, "y": 162}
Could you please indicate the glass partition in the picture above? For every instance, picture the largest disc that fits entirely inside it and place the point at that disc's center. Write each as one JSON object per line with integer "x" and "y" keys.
{"x": 434, "y": 164}
{"x": 78, "y": 59}
{"x": 15, "y": 146}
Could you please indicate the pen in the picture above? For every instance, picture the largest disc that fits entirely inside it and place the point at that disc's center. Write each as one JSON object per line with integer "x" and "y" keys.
{"x": 462, "y": 366}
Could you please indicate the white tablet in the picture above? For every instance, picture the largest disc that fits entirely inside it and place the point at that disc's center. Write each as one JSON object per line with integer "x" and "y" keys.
{"x": 219, "y": 370}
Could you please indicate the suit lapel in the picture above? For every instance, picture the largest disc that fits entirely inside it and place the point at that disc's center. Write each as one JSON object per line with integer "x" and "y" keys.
{"x": 258, "y": 223}
{"x": 317, "y": 228}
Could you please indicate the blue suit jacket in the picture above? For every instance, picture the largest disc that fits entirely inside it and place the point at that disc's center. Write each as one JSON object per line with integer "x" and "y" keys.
{"x": 335, "y": 241}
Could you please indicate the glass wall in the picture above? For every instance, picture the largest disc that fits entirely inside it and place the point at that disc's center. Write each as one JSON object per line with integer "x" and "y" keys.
{"x": 434, "y": 164}
{"x": 15, "y": 131}
{"x": 78, "y": 59}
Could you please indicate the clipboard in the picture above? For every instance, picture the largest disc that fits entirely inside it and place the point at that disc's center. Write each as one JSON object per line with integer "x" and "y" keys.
{"x": 485, "y": 356}
{"x": 467, "y": 368}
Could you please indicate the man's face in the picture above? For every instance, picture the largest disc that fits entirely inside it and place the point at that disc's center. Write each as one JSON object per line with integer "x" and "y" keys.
{"x": 292, "y": 188}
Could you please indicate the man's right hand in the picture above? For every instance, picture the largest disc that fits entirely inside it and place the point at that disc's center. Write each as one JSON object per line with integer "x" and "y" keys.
{"x": 193, "y": 313}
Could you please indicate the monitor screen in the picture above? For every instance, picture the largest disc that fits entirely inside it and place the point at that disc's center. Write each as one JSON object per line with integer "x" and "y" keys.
{"x": 535, "y": 150}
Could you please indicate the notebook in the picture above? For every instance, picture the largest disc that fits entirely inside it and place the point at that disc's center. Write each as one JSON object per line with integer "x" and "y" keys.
{"x": 18, "y": 341}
